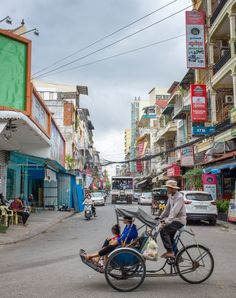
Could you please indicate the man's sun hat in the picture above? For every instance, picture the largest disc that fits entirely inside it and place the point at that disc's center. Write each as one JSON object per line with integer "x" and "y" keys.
{"x": 172, "y": 184}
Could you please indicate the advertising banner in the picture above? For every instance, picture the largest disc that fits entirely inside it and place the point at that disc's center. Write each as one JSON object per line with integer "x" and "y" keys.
{"x": 209, "y": 184}
{"x": 195, "y": 39}
{"x": 139, "y": 164}
{"x": 14, "y": 71}
{"x": 198, "y": 103}
{"x": 187, "y": 157}
{"x": 173, "y": 171}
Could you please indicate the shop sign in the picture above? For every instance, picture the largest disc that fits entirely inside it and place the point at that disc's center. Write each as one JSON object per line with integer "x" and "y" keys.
{"x": 57, "y": 145}
{"x": 139, "y": 164}
{"x": 195, "y": 39}
{"x": 202, "y": 130}
{"x": 187, "y": 157}
{"x": 232, "y": 208}
{"x": 149, "y": 116}
{"x": 173, "y": 171}
{"x": 209, "y": 184}
{"x": 38, "y": 113}
{"x": 198, "y": 103}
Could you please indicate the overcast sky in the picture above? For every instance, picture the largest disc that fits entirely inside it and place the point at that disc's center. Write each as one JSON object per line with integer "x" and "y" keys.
{"x": 68, "y": 25}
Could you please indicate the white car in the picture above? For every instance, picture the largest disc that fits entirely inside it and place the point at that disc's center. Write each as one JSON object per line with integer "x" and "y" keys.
{"x": 145, "y": 198}
{"x": 200, "y": 206}
{"x": 98, "y": 198}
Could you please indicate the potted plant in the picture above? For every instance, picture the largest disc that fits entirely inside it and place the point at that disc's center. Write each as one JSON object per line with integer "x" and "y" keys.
{"x": 222, "y": 207}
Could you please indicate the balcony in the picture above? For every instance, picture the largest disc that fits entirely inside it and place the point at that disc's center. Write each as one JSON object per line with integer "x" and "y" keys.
{"x": 168, "y": 130}
{"x": 223, "y": 60}
{"x": 217, "y": 11}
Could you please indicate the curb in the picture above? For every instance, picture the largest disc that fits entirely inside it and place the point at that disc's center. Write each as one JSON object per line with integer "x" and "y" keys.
{"x": 226, "y": 225}
{"x": 41, "y": 231}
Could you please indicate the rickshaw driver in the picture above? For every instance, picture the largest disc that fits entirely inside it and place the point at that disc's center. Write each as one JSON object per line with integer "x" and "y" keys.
{"x": 172, "y": 218}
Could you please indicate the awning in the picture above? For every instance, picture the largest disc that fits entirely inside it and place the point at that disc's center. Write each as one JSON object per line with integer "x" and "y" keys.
{"x": 142, "y": 182}
{"x": 163, "y": 177}
{"x": 216, "y": 169}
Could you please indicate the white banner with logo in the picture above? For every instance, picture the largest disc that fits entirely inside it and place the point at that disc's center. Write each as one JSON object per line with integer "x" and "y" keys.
{"x": 195, "y": 39}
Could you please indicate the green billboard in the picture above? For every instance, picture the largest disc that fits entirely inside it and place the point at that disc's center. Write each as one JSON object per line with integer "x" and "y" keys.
{"x": 13, "y": 73}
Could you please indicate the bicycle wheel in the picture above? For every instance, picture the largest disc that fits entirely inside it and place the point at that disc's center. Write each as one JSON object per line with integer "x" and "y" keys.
{"x": 194, "y": 263}
{"x": 125, "y": 270}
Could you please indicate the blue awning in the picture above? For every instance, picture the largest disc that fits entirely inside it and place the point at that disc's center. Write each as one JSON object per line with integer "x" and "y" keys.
{"x": 218, "y": 168}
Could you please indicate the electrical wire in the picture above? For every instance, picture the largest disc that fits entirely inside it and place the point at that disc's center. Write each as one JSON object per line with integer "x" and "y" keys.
{"x": 115, "y": 42}
{"x": 116, "y": 55}
{"x": 106, "y": 36}
{"x": 149, "y": 157}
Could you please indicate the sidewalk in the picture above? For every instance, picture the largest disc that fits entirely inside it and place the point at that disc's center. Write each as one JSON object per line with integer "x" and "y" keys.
{"x": 37, "y": 223}
{"x": 226, "y": 224}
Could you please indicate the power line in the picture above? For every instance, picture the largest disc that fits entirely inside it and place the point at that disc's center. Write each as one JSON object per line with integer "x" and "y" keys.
{"x": 106, "y": 36}
{"x": 115, "y": 42}
{"x": 117, "y": 55}
{"x": 149, "y": 157}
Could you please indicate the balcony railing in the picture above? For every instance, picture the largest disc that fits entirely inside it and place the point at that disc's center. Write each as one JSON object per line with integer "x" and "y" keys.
{"x": 217, "y": 11}
{"x": 225, "y": 58}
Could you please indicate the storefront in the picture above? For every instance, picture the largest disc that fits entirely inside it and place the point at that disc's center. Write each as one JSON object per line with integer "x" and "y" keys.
{"x": 224, "y": 169}
{"x": 45, "y": 179}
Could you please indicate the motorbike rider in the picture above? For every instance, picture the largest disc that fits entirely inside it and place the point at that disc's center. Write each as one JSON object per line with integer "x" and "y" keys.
{"x": 88, "y": 201}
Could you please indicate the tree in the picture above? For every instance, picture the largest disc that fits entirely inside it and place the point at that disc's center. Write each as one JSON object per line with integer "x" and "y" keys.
{"x": 193, "y": 179}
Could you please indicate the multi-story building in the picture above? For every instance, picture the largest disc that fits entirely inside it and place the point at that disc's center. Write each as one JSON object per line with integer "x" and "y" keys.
{"x": 32, "y": 147}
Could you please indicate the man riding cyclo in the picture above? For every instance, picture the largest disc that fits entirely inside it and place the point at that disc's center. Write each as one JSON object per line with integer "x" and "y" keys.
{"x": 172, "y": 218}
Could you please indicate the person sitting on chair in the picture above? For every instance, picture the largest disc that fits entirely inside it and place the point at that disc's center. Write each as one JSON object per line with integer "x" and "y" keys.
{"x": 18, "y": 207}
{"x": 172, "y": 218}
{"x": 127, "y": 236}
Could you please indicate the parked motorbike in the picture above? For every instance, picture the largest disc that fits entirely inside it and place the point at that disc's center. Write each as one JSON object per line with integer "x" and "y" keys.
{"x": 88, "y": 211}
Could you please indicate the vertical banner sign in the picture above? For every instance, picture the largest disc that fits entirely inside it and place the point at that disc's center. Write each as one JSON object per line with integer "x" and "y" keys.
{"x": 187, "y": 157}
{"x": 195, "y": 39}
{"x": 232, "y": 207}
{"x": 198, "y": 103}
{"x": 139, "y": 164}
{"x": 209, "y": 184}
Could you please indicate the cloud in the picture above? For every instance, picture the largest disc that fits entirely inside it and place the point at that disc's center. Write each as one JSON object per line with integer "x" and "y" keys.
{"x": 66, "y": 26}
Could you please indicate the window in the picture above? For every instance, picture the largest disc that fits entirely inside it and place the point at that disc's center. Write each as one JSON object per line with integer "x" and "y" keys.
{"x": 200, "y": 197}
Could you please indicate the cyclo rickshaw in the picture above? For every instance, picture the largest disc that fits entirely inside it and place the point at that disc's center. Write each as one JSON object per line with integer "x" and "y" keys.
{"x": 159, "y": 199}
{"x": 126, "y": 267}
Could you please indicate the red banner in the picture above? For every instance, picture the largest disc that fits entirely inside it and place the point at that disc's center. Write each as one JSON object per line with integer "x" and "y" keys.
{"x": 139, "y": 164}
{"x": 173, "y": 171}
{"x": 198, "y": 103}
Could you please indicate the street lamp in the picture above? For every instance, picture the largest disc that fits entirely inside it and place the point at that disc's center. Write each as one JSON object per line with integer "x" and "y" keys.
{"x": 7, "y": 19}
{"x": 35, "y": 30}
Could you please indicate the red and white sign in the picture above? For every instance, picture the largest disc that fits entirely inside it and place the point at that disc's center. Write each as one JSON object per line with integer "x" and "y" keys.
{"x": 139, "y": 164}
{"x": 199, "y": 103}
{"x": 195, "y": 39}
{"x": 173, "y": 171}
{"x": 209, "y": 184}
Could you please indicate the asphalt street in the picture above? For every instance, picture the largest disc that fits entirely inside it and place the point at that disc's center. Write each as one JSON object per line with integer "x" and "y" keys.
{"x": 49, "y": 264}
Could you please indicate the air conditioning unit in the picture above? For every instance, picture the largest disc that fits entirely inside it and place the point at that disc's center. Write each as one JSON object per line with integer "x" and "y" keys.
{"x": 229, "y": 99}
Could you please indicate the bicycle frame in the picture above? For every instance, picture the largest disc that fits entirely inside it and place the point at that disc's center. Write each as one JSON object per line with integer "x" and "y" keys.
{"x": 169, "y": 261}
